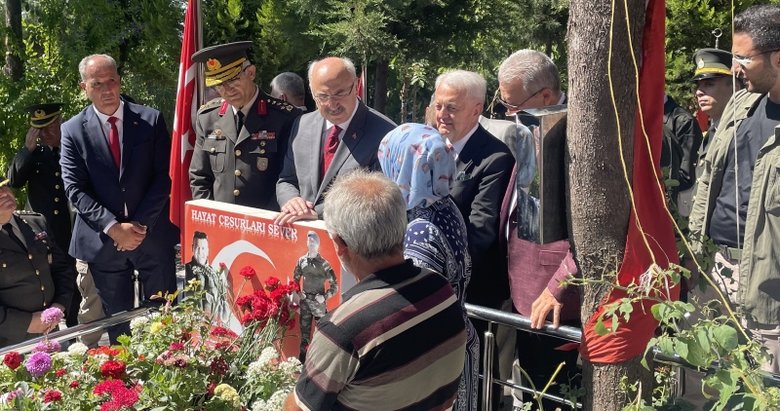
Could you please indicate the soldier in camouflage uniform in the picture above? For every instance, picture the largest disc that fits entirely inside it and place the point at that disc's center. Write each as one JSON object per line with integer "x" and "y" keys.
{"x": 315, "y": 272}
{"x": 242, "y": 137}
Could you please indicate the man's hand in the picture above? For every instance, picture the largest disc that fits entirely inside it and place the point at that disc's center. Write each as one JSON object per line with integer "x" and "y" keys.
{"x": 127, "y": 236}
{"x": 37, "y": 326}
{"x": 296, "y": 209}
{"x": 542, "y": 307}
{"x": 31, "y": 139}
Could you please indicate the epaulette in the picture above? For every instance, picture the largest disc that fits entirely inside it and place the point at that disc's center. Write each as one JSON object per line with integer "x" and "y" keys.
{"x": 210, "y": 105}
{"x": 281, "y": 105}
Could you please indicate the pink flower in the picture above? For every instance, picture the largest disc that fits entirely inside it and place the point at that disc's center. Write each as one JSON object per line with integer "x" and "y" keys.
{"x": 47, "y": 346}
{"x": 52, "y": 316}
{"x": 38, "y": 364}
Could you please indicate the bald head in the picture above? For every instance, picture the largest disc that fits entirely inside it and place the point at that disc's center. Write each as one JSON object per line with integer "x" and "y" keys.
{"x": 332, "y": 82}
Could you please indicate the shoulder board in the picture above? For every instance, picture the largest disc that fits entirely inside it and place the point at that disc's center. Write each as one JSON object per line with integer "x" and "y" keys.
{"x": 210, "y": 105}
{"x": 281, "y": 105}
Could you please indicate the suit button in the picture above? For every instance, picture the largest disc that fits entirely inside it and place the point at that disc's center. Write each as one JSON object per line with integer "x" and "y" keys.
{"x": 124, "y": 189}
{"x": 262, "y": 151}
{"x": 56, "y": 199}
{"x": 29, "y": 256}
{"x": 236, "y": 192}
{"x": 5, "y": 265}
{"x": 56, "y": 212}
{"x": 57, "y": 186}
{"x": 262, "y": 144}
{"x": 238, "y": 153}
{"x": 56, "y": 173}
{"x": 213, "y": 150}
{"x": 42, "y": 289}
{"x": 37, "y": 272}
{"x": 237, "y": 173}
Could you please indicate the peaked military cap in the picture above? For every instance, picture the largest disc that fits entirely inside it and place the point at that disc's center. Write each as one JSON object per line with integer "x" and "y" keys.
{"x": 223, "y": 61}
{"x": 711, "y": 63}
{"x": 41, "y": 115}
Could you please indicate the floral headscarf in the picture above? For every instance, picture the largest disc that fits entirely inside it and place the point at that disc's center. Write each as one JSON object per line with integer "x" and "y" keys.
{"x": 420, "y": 161}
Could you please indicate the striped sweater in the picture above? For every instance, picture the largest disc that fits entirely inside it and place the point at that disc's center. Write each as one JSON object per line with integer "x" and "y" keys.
{"x": 397, "y": 342}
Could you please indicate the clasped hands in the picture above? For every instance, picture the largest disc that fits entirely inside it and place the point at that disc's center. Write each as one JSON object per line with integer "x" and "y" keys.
{"x": 296, "y": 209}
{"x": 127, "y": 236}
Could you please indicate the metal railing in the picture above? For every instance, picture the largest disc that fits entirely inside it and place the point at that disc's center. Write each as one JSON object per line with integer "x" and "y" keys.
{"x": 497, "y": 317}
{"x": 77, "y": 331}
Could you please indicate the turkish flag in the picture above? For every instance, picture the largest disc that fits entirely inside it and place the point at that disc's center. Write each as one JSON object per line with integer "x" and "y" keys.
{"x": 183, "y": 139}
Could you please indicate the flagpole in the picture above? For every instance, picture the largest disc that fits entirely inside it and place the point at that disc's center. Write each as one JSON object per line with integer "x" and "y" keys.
{"x": 199, "y": 45}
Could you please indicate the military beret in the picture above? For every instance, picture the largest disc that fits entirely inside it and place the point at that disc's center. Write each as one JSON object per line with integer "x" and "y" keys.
{"x": 223, "y": 61}
{"x": 41, "y": 115}
{"x": 711, "y": 63}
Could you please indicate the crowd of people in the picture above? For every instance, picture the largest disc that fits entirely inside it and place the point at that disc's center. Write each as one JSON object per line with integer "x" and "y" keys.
{"x": 426, "y": 217}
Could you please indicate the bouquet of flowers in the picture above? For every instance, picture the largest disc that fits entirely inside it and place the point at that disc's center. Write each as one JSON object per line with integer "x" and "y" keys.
{"x": 174, "y": 360}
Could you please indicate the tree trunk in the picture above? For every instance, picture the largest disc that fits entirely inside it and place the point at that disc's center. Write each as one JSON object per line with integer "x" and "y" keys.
{"x": 14, "y": 46}
{"x": 599, "y": 202}
{"x": 380, "y": 86}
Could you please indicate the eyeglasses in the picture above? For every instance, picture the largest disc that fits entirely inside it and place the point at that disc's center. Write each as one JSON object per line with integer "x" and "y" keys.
{"x": 232, "y": 83}
{"x": 746, "y": 60}
{"x": 324, "y": 98}
{"x": 518, "y": 107}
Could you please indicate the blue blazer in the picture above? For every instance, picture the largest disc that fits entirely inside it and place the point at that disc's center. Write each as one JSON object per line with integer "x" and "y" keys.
{"x": 101, "y": 193}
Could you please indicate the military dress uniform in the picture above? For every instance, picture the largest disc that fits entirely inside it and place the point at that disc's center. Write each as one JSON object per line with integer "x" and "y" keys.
{"x": 40, "y": 171}
{"x": 315, "y": 272}
{"x": 241, "y": 166}
{"x": 33, "y": 275}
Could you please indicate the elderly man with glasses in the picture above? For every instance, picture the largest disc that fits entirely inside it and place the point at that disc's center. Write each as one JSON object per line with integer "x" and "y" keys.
{"x": 737, "y": 201}
{"x": 241, "y": 136}
{"x": 343, "y": 134}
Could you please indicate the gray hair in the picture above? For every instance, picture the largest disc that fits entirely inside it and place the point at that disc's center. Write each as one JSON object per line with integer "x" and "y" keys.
{"x": 85, "y": 60}
{"x": 472, "y": 83}
{"x": 290, "y": 84}
{"x": 348, "y": 64}
{"x": 367, "y": 211}
{"x": 533, "y": 68}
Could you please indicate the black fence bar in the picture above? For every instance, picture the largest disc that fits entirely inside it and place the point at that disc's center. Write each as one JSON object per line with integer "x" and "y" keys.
{"x": 517, "y": 321}
{"x": 78, "y": 331}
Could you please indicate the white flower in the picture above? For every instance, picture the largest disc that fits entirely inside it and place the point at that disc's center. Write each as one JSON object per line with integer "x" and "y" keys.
{"x": 77, "y": 349}
{"x": 290, "y": 366}
{"x": 138, "y": 323}
{"x": 276, "y": 402}
{"x": 259, "y": 405}
{"x": 268, "y": 354}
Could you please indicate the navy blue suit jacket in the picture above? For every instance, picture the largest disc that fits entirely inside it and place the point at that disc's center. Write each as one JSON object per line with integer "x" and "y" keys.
{"x": 100, "y": 192}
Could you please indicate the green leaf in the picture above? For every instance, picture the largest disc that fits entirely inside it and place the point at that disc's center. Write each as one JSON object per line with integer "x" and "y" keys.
{"x": 599, "y": 328}
{"x": 726, "y": 337}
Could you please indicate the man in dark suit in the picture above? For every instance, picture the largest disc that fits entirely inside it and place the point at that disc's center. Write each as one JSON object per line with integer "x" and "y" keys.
{"x": 342, "y": 135}
{"x": 241, "y": 137}
{"x": 37, "y": 166}
{"x": 29, "y": 282}
{"x": 115, "y": 169}
{"x": 483, "y": 167}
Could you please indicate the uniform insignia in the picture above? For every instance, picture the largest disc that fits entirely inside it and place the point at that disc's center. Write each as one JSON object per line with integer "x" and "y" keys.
{"x": 40, "y": 236}
{"x": 263, "y": 135}
{"x": 213, "y": 64}
{"x": 223, "y": 108}
{"x": 262, "y": 107}
{"x": 262, "y": 163}
{"x": 39, "y": 114}
{"x": 700, "y": 63}
{"x": 217, "y": 134}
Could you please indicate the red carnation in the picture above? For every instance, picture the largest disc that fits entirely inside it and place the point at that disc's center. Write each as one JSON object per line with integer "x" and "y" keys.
{"x": 248, "y": 272}
{"x": 60, "y": 372}
{"x": 272, "y": 283}
{"x": 73, "y": 384}
{"x": 176, "y": 346}
{"x": 113, "y": 369}
{"x": 52, "y": 396}
{"x": 12, "y": 360}
{"x": 219, "y": 366}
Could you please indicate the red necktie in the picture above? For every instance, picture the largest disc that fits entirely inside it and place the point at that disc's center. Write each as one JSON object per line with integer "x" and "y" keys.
{"x": 331, "y": 144}
{"x": 113, "y": 142}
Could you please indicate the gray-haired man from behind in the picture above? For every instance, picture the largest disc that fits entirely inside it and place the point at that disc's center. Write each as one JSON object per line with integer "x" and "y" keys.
{"x": 289, "y": 87}
{"x": 400, "y": 324}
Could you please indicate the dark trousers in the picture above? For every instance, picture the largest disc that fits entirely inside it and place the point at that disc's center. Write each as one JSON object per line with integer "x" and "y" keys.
{"x": 537, "y": 355}
{"x": 113, "y": 278}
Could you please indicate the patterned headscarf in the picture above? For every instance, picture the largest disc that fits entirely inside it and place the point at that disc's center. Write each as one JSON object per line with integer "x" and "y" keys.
{"x": 420, "y": 161}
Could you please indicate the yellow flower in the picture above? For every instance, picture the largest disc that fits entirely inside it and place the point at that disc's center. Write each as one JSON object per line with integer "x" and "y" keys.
{"x": 156, "y": 327}
{"x": 228, "y": 394}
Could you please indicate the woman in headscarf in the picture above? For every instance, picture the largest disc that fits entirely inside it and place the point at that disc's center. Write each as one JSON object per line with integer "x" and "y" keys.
{"x": 421, "y": 162}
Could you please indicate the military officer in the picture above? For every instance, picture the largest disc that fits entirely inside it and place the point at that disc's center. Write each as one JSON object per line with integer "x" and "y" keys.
{"x": 316, "y": 272}
{"x": 34, "y": 273}
{"x": 242, "y": 136}
{"x": 37, "y": 165}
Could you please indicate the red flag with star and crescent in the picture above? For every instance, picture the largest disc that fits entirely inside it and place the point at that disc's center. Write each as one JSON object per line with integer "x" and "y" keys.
{"x": 183, "y": 139}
